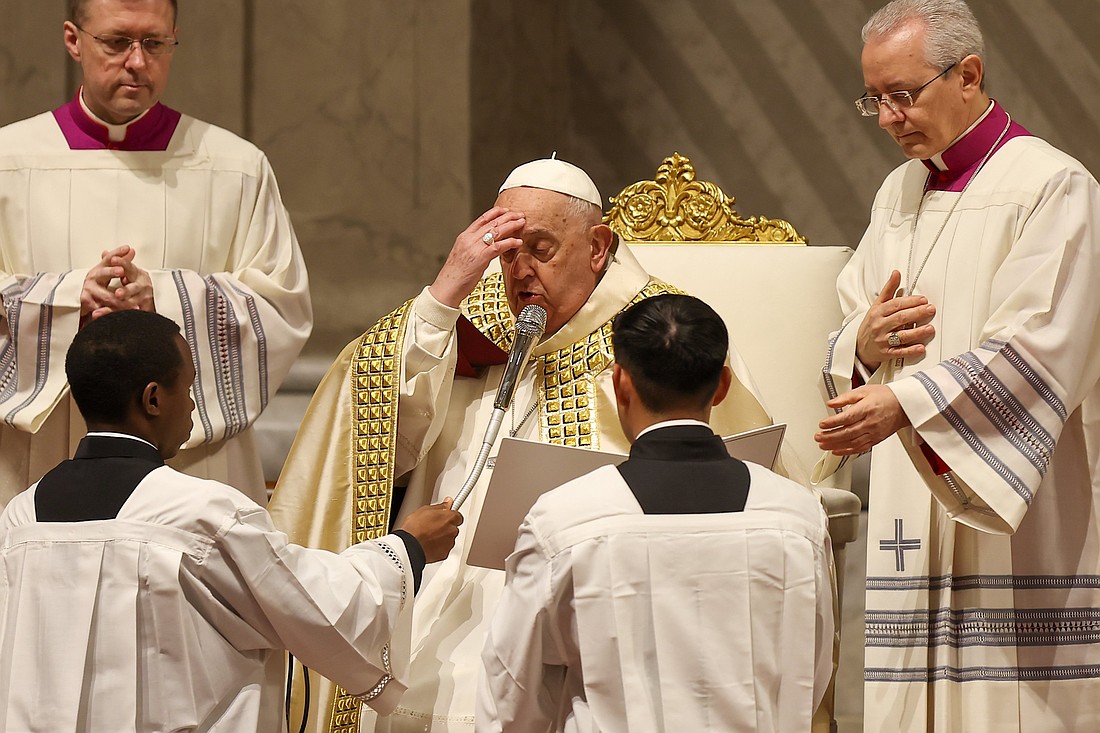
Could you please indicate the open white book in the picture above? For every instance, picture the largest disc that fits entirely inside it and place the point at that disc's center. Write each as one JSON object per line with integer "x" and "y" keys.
{"x": 525, "y": 469}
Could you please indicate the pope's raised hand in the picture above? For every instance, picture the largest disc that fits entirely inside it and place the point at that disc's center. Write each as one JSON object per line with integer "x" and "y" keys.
{"x": 906, "y": 317}
{"x": 496, "y": 231}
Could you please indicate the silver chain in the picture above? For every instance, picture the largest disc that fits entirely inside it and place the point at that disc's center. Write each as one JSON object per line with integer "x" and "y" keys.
{"x": 527, "y": 416}
{"x": 913, "y": 233}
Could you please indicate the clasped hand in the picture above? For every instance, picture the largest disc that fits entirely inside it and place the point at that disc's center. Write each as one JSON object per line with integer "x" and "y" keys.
{"x": 134, "y": 290}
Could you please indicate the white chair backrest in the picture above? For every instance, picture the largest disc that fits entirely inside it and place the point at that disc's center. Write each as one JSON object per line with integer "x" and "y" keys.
{"x": 779, "y": 303}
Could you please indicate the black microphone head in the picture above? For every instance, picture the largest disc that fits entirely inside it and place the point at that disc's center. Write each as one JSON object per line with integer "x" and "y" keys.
{"x": 531, "y": 320}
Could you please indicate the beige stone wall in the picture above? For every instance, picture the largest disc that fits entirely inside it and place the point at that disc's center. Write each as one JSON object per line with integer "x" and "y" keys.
{"x": 390, "y": 124}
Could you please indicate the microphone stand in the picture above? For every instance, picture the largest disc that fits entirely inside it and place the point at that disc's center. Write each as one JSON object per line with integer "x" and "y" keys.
{"x": 482, "y": 457}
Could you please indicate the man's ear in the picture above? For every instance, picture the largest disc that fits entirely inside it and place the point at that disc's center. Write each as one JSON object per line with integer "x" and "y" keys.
{"x": 72, "y": 40}
{"x": 623, "y": 386}
{"x": 600, "y": 239}
{"x": 725, "y": 379}
{"x": 150, "y": 399}
{"x": 973, "y": 73}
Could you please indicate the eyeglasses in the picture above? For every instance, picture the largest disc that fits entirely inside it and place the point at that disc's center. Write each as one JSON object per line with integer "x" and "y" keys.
{"x": 869, "y": 104}
{"x": 121, "y": 45}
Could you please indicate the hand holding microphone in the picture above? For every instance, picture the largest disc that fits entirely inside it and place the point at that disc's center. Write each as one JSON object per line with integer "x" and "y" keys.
{"x": 529, "y": 328}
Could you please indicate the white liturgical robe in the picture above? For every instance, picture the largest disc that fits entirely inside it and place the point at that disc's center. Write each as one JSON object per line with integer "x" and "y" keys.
{"x": 206, "y": 221}
{"x": 174, "y": 616}
{"x": 616, "y": 621}
{"x": 983, "y": 565}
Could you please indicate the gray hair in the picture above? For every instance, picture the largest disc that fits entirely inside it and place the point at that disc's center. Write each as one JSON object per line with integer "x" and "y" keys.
{"x": 584, "y": 211}
{"x": 952, "y": 31}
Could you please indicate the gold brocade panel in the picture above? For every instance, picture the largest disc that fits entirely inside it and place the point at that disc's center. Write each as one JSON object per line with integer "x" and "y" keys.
{"x": 375, "y": 389}
{"x": 567, "y": 382}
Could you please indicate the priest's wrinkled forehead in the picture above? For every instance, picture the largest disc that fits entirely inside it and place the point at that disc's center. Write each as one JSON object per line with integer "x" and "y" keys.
{"x": 79, "y": 10}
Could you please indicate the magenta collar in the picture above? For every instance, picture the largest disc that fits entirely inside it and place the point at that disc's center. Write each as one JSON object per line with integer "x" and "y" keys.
{"x": 152, "y": 132}
{"x": 963, "y": 157}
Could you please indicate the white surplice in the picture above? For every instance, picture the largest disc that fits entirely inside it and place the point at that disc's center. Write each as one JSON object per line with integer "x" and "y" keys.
{"x": 175, "y": 615}
{"x": 207, "y": 224}
{"x": 440, "y": 427}
{"x": 983, "y": 587}
{"x": 616, "y": 621}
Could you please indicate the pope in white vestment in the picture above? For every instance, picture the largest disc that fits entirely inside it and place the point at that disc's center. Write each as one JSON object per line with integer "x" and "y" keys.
{"x": 983, "y": 569}
{"x": 412, "y": 399}
{"x": 201, "y": 209}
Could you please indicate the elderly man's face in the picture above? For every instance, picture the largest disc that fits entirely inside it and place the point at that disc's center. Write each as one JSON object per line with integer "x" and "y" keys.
{"x": 559, "y": 263}
{"x": 118, "y": 88}
{"x": 939, "y": 113}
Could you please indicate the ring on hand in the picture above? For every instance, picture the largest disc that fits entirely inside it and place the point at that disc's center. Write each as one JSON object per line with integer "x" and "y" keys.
{"x": 894, "y": 340}
{"x": 488, "y": 238}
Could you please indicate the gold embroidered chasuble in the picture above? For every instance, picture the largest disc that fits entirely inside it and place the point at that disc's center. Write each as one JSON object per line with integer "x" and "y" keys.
{"x": 318, "y": 503}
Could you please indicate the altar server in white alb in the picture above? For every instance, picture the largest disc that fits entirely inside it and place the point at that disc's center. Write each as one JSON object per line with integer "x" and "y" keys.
{"x": 114, "y": 201}
{"x": 137, "y": 598}
{"x": 682, "y": 590}
{"x": 973, "y": 323}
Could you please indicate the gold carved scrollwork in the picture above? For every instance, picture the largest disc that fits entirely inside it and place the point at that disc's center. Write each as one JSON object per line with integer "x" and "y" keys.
{"x": 676, "y": 207}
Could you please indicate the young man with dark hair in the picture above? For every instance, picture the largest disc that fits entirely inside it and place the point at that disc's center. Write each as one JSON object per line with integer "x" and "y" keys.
{"x": 137, "y": 598}
{"x": 683, "y": 589}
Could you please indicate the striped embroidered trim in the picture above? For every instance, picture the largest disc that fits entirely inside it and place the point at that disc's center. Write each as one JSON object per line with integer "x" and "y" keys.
{"x": 827, "y": 370}
{"x": 42, "y": 356}
{"x": 976, "y": 582}
{"x": 970, "y": 437}
{"x": 187, "y": 310}
{"x": 993, "y": 399}
{"x": 1037, "y": 383}
{"x": 975, "y": 674}
{"x": 13, "y": 307}
{"x": 1003, "y": 394}
{"x": 261, "y": 342}
{"x": 224, "y": 333}
{"x": 986, "y": 627}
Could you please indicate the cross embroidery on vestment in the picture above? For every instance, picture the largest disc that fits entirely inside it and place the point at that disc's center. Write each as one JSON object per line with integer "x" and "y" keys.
{"x": 898, "y": 546}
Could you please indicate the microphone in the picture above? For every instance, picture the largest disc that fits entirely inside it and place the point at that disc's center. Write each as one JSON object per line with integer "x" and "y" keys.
{"x": 529, "y": 328}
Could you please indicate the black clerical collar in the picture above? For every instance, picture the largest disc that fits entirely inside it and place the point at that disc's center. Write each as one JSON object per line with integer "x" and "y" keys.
{"x": 680, "y": 441}
{"x": 117, "y": 445}
{"x": 98, "y": 481}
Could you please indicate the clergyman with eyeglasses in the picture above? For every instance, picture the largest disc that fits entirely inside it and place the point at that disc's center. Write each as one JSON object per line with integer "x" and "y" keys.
{"x": 968, "y": 363}
{"x": 114, "y": 201}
